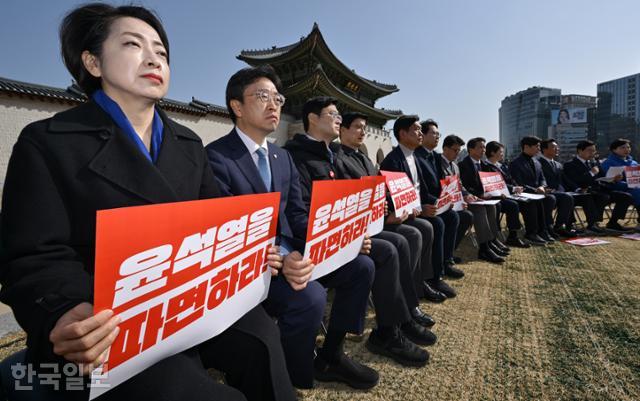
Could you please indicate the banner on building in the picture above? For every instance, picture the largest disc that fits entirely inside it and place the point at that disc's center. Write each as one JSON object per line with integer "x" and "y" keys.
{"x": 572, "y": 115}
{"x": 178, "y": 274}
{"x": 339, "y": 218}
{"x": 493, "y": 184}
{"x": 403, "y": 194}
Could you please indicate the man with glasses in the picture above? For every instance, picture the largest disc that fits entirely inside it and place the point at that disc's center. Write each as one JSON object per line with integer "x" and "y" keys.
{"x": 244, "y": 162}
{"x": 315, "y": 154}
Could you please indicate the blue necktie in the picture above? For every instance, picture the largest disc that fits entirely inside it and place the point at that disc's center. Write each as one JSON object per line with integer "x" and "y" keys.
{"x": 263, "y": 168}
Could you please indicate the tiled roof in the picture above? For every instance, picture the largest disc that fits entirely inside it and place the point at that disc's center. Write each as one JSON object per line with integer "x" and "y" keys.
{"x": 75, "y": 94}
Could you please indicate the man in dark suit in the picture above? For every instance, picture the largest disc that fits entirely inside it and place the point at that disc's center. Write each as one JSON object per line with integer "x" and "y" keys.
{"x": 470, "y": 167}
{"x": 407, "y": 131}
{"x": 560, "y": 183}
{"x": 484, "y": 217}
{"x": 430, "y": 163}
{"x": 354, "y": 164}
{"x": 584, "y": 170}
{"x": 245, "y": 163}
{"x": 556, "y": 180}
{"x": 316, "y": 155}
{"x": 527, "y": 172}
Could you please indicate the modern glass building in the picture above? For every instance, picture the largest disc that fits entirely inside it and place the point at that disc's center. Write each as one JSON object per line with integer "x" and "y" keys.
{"x": 618, "y": 113}
{"x": 527, "y": 112}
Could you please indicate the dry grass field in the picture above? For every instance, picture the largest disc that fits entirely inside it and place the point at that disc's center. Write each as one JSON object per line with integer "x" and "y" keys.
{"x": 554, "y": 323}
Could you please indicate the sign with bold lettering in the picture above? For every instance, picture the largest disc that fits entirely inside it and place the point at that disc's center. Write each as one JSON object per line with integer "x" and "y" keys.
{"x": 178, "y": 274}
{"x": 450, "y": 196}
{"x": 493, "y": 184}
{"x": 632, "y": 174}
{"x": 403, "y": 194}
{"x": 339, "y": 217}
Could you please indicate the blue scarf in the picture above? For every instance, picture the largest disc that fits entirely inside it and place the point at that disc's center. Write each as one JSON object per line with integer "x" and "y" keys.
{"x": 121, "y": 120}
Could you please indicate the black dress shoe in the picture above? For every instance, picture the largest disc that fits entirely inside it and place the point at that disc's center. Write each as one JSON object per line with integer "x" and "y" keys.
{"x": 517, "y": 242}
{"x": 457, "y": 260}
{"x": 496, "y": 250}
{"x": 595, "y": 230}
{"x": 422, "y": 318}
{"x": 616, "y": 228}
{"x": 345, "y": 370}
{"x": 398, "y": 348}
{"x": 564, "y": 233}
{"x": 500, "y": 245}
{"x": 552, "y": 233}
{"x": 443, "y": 287}
{"x": 546, "y": 237}
{"x": 418, "y": 334}
{"x": 431, "y": 294}
{"x": 450, "y": 270}
{"x": 535, "y": 239}
{"x": 489, "y": 256}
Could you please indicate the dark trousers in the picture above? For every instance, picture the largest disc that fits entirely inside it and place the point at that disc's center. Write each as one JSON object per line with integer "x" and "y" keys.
{"x": 548, "y": 204}
{"x": 593, "y": 205}
{"x": 511, "y": 209}
{"x": 408, "y": 242}
{"x": 299, "y": 314}
{"x": 465, "y": 218}
{"x": 445, "y": 227}
{"x": 564, "y": 204}
{"x": 533, "y": 215}
{"x": 388, "y": 297}
{"x": 425, "y": 269}
{"x": 622, "y": 202}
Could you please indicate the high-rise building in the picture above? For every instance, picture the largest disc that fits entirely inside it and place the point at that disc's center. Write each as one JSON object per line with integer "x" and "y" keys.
{"x": 618, "y": 113}
{"x": 527, "y": 112}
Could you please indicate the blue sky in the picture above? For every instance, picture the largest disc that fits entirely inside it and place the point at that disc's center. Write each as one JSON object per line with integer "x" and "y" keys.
{"x": 453, "y": 61}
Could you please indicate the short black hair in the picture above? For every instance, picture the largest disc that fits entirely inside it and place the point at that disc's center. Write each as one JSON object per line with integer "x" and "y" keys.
{"x": 348, "y": 118}
{"x": 403, "y": 123}
{"x": 582, "y": 145}
{"x": 545, "y": 143}
{"x": 452, "y": 140}
{"x": 529, "y": 141}
{"x": 424, "y": 126}
{"x": 87, "y": 27}
{"x": 619, "y": 142}
{"x": 315, "y": 106}
{"x": 473, "y": 142}
{"x": 492, "y": 148}
{"x": 245, "y": 77}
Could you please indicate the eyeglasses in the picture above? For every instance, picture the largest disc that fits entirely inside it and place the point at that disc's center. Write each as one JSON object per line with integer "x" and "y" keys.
{"x": 266, "y": 97}
{"x": 335, "y": 115}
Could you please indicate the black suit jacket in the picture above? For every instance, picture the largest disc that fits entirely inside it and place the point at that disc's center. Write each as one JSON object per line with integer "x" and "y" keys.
{"x": 431, "y": 173}
{"x": 504, "y": 171}
{"x": 524, "y": 175}
{"x": 581, "y": 175}
{"x": 469, "y": 176}
{"x": 62, "y": 170}
{"x": 395, "y": 161}
{"x": 237, "y": 174}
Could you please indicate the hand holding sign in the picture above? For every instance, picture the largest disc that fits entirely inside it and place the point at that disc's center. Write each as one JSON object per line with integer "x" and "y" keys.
{"x": 297, "y": 270}
{"x": 81, "y": 337}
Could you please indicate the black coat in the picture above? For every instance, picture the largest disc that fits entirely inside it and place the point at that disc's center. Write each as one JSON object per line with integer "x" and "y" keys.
{"x": 64, "y": 169}
{"x": 354, "y": 164}
{"x": 313, "y": 162}
{"x": 395, "y": 161}
{"x": 470, "y": 178}
{"x": 431, "y": 173}
{"x": 555, "y": 176}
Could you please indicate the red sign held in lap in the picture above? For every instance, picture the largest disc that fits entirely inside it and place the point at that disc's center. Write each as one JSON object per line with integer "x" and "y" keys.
{"x": 179, "y": 274}
{"x": 493, "y": 184}
{"x": 403, "y": 194}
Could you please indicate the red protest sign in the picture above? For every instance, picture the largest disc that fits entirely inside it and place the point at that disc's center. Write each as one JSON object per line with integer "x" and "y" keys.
{"x": 403, "y": 193}
{"x": 632, "y": 175}
{"x": 376, "y": 225}
{"x": 339, "y": 218}
{"x": 450, "y": 196}
{"x": 179, "y": 274}
{"x": 493, "y": 184}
